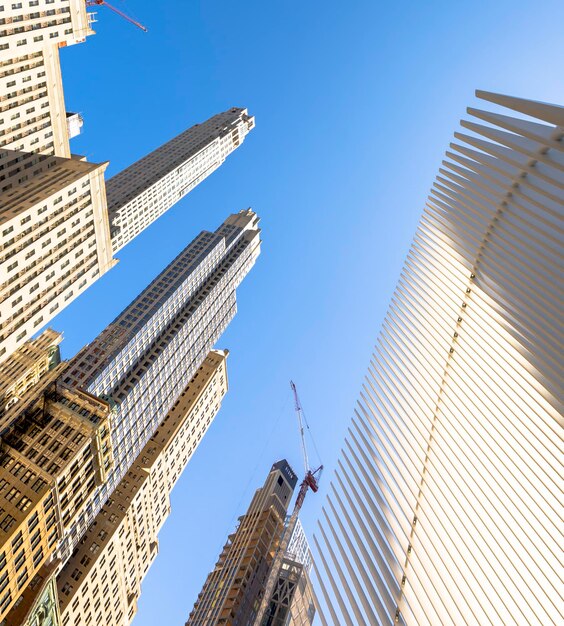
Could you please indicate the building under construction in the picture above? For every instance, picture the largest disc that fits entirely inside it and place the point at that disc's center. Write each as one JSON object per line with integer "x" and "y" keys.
{"x": 234, "y": 590}
{"x": 292, "y": 601}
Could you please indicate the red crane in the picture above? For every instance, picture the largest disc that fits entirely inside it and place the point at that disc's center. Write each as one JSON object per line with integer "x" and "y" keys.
{"x": 92, "y": 3}
{"x": 310, "y": 481}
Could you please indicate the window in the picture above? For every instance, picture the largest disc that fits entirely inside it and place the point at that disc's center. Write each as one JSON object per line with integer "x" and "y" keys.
{"x": 7, "y": 523}
{"x": 24, "y": 504}
{"x": 67, "y": 588}
{"x": 12, "y": 494}
{"x": 22, "y": 578}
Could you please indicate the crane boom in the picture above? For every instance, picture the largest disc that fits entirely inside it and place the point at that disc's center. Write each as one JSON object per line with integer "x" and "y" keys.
{"x": 309, "y": 482}
{"x": 299, "y": 414}
{"x": 90, "y": 3}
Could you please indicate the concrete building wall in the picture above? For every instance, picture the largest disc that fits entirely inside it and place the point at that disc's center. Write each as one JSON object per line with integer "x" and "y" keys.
{"x": 32, "y": 108}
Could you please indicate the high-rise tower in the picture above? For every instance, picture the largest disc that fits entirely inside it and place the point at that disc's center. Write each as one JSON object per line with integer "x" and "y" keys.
{"x": 37, "y": 24}
{"x": 70, "y": 431}
{"x": 142, "y": 192}
{"x": 231, "y": 594}
{"x": 57, "y": 232}
{"x": 145, "y": 358}
{"x": 122, "y": 543}
{"x": 445, "y": 504}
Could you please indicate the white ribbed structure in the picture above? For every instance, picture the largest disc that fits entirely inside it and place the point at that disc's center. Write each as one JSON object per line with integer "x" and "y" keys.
{"x": 446, "y": 504}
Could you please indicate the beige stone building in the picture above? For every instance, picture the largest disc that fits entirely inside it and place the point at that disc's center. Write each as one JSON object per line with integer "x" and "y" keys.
{"x": 54, "y": 233}
{"x": 145, "y": 190}
{"x": 30, "y": 25}
{"x": 32, "y": 108}
{"x": 38, "y": 604}
{"x": 101, "y": 583}
{"x": 55, "y": 241}
{"x": 24, "y": 370}
{"x": 57, "y": 235}
{"x": 52, "y": 457}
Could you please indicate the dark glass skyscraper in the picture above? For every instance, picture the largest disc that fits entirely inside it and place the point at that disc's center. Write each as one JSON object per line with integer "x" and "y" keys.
{"x": 144, "y": 359}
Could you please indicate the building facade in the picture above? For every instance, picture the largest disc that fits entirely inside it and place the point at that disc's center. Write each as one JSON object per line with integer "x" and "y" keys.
{"x": 444, "y": 506}
{"x": 32, "y": 25}
{"x": 232, "y": 592}
{"x": 53, "y": 455}
{"x": 73, "y": 430}
{"x": 142, "y": 192}
{"x": 292, "y": 602}
{"x": 32, "y": 107}
{"x": 101, "y": 583}
{"x": 55, "y": 241}
{"x": 56, "y": 233}
{"x": 145, "y": 358}
{"x": 38, "y": 605}
{"x": 24, "y": 370}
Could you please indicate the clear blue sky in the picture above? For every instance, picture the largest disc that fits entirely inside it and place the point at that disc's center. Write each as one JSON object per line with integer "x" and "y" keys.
{"x": 355, "y": 104}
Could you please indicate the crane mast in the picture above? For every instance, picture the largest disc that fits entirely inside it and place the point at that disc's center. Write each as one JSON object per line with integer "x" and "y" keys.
{"x": 309, "y": 482}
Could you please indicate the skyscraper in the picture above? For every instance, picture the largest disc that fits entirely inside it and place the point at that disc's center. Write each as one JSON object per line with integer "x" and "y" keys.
{"x": 292, "y": 600}
{"x": 37, "y": 24}
{"x": 55, "y": 240}
{"x": 142, "y": 192}
{"x": 444, "y": 507}
{"x": 58, "y": 234}
{"x": 101, "y": 583}
{"x": 232, "y": 592}
{"x": 72, "y": 430}
{"x": 55, "y": 450}
{"x": 145, "y": 358}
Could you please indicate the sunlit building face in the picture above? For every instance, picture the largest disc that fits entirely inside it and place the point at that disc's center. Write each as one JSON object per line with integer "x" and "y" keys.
{"x": 444, "y": 508}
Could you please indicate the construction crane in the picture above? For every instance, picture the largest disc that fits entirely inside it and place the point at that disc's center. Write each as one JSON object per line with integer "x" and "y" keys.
{"x": 92, "y": 3}
{"x": 310, "y": 481}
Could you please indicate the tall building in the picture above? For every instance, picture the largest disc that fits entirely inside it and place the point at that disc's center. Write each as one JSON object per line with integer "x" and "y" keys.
{"x": 54, "y": 453}
{"x": 232, "y": 592}
{"x": 32, "y": 25}
{"x": 101, "y": 583}
{"x": 32, "y": 107}
{"x": 24, "y": 370}
{"x": 55, "y": 240}
{"x": 444, "y": 506}
{"x": 72, "y": 430}
{"x": 58, "y": 234}
{"x": 292, "y": 601}
{"x": 145, "y": 358}
{"x": 142, "y": 192}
